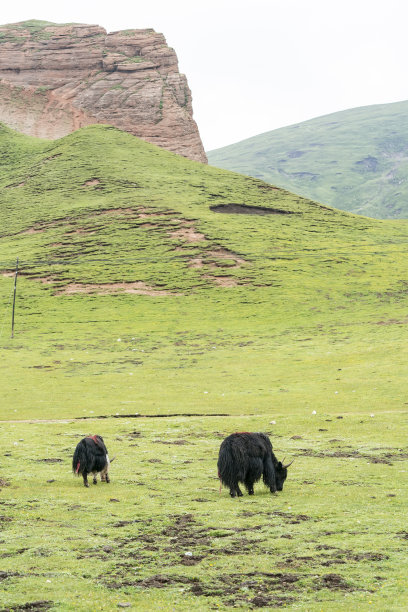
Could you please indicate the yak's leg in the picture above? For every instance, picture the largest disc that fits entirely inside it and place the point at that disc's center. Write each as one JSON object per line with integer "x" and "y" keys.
{"x": 253, "y": 474}
{"x": 249, "y": 485}
{"x": 94, "y": 477}
{"x": 105, "y": 474}
{"x": 85, "y": 477}
{"x": 235, "y": 490}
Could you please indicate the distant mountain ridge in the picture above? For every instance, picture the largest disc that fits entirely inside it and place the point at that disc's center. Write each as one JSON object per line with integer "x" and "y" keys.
{"x": 56, "y": 78}
{"x": 354, "y": 160}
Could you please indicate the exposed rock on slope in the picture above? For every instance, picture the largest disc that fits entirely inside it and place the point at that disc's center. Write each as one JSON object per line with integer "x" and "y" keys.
{"x": 55, "y": 79}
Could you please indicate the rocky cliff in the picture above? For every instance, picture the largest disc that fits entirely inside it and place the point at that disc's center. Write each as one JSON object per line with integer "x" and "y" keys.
{"x": 55, "y": 79}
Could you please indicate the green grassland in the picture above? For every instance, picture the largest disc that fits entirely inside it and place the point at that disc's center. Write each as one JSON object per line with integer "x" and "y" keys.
{"x": 355, "y": 160}
{"x": 165, "y": 304}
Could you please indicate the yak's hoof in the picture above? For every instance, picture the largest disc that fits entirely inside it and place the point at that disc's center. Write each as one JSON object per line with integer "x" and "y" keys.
{"x": 240, "y": 494}
{"x": 250, "y": 493}
{"x": 95, "y": 482}
{"x": 233, "y": 494}
{"x": 86, "y": 484}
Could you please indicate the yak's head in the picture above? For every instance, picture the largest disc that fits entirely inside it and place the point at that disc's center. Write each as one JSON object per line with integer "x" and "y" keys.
{"x": 281, "y": 472}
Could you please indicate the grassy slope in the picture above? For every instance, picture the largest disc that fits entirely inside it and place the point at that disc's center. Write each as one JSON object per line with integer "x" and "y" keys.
{"x": 355, "y": 160}
{"x": 316, "y": 321}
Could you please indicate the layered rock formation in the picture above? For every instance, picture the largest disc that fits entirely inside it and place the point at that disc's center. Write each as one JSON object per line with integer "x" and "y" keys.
{"x": 55, "y": 79}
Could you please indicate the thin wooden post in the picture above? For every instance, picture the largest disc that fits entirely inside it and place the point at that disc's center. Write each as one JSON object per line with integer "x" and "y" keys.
{"x": 14, "y": 299}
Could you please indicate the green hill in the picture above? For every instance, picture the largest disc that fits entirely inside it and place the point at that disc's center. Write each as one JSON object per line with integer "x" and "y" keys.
{"x": 165, "y": 304}
{"x": 355, "y": 160}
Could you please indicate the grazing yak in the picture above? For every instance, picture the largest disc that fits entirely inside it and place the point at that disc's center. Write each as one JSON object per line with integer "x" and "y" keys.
{"x": 245, "y": 457}
{"x": 91, "y": 457}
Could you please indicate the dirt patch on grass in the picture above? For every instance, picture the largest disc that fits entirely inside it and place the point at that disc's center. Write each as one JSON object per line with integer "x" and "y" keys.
{"x": 91, "y": 183}
{"x": 13, "y": 185}
{"x": 5, "y": 575}
{"x": 114, "y": 212}
{"x": 334, "y": 582}
{"x": 188, "y": 234}
{"x": 136, "y": 287}
{"x": 222, "y": 281}
{"x": 176, "y": 442}
{"x": 4, "y": 483}
{"x": 385, "y": 458}
{"x": 33, "y": 230}
{"x": 31, "y": 606}
{"x": 392, "y": 322}
{"x": 252, "y": 590}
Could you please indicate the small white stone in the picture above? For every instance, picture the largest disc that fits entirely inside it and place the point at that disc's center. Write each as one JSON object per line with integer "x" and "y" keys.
{"x": 48, "y": 580}
{"x": 314, "y": 412}
{"x": 205, "y": 391}
{"x": 188, "y": 554}
{"x": 336, "y": 391}
{"x": 119, "y": 339}
{"x": 272, "y": 422}
{"x": 371, "y": 415}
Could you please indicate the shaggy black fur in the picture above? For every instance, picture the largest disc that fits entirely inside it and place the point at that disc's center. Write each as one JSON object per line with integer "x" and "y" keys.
{"x": 245, "y": 457}
{"x": 91, "y": 456}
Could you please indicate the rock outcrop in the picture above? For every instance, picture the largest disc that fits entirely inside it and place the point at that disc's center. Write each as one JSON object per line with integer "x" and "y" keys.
{"x": 55, "y": 79}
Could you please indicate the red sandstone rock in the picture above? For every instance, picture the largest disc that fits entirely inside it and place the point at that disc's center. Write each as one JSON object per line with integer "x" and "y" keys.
{"x": 55, "y": 79}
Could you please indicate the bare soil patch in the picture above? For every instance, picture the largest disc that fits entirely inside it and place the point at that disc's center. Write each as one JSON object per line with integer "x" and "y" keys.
{"x": 335, "y": 582}
{"x": 91, "y": 183}
{"x": 385, "y": 458}
{"x": 116, "y": 212}
{"x": 136, "y": 287}
{"x": 31, "y": 606}
{"x": 222, "y": 281}
{"x": 188, "y": 234}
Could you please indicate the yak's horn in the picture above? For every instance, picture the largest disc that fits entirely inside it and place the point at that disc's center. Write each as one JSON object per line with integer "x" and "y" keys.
{"x": 286, "y": 466}
{"x": 283, "y": 460}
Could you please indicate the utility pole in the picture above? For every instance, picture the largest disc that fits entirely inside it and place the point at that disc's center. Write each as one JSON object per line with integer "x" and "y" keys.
{"x": 14, "y": 299}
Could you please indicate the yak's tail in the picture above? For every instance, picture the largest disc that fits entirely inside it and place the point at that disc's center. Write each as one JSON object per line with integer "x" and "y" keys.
{"x": 79, "y": 460}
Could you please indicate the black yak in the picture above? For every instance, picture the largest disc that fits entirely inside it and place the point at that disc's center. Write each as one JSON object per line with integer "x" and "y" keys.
{"x": 245, "y": 457}
{"x": 91, "y": 457}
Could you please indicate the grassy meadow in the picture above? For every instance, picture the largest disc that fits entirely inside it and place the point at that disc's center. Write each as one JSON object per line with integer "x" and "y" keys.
{"x": 164, "y": 304}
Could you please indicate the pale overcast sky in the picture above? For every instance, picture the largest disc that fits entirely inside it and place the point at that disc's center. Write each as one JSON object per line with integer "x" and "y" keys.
{"x": 256, "y": 65}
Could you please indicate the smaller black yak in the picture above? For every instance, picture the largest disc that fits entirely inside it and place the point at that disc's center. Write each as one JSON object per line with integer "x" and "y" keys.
{"x": 91, "y": 457}
{"x": 245, "y": 457}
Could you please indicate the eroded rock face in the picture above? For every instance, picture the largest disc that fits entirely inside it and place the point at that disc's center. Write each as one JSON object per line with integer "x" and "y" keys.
{"x": 55, "y": 79}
